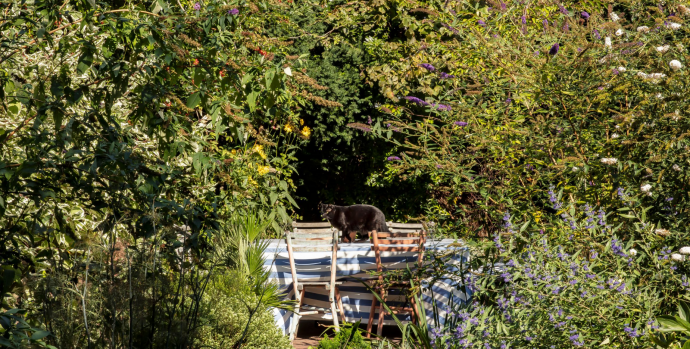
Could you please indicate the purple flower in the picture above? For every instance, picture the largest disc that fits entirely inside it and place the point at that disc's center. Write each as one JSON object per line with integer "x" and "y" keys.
{"x": 482, "y": 23}
{"x": 562, "y": 9}
{"x": 416, "y": 100}
{"x": 503, "y": 6}
{"x": 445, "y": 75}
{"x": 442, "y": 107}
{"x": 524, "y": 20}
{"x": 427, "y": 66}
{"x": 392, "y": 158}
{"x": 439, "y": 166}
{"x": 233, "y": 11}
{"x": 596, "y": 34}
{"x": 197, "y": 6}
{"x": 546, "y": 23}
{"x": 584, "y": 15}
{"x": 536, "y": 53}
{"x": 615, "y": 71}
{"x": 460, "y": 123}
{"x": 554, "y": 49}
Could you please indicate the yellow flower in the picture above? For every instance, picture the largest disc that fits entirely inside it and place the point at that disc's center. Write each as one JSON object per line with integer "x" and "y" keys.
{"x": 301, "y": 122}
{"x": 306, "y": 132}
{"x": 288, "y": 128}
{"x": 259, "y": 149}
{"x": 264, "y": 170}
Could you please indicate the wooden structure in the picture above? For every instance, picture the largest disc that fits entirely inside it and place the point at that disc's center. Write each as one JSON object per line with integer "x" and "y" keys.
{"x": 314, "y": 237}
{"x": 403, "y": 237}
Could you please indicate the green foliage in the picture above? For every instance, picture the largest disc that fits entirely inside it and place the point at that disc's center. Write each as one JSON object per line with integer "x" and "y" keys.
{"x": 349, "y": 337}
{"x": 227, "y": 306}
{"x": 17, "y": 333}
{"x": 674, "y": 325}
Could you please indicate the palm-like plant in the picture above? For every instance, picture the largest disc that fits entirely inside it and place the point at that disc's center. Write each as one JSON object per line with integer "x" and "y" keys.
{"x": 239, "y": 247}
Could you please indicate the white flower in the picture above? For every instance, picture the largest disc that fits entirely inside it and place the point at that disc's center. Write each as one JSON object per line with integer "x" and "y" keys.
{"x": 632, "y": 251}
{"x": 609, "y": 161}
{"x": 642, "y": 29}
{"x": 675, "y": 65}
{"x": 685, "y": 250}
{"x": 575, "y": 168}
{"x": 615, "y": 135}
{"x": 676, "y": 167}
{"x": 618, "y": 127}
{"x": 663, "y": 49}
{"x": 678, "y": 257}
{"x": 621, "y": 69}
{"x": 657, "y": 75}
{"x": 607, "y": 41}
{"x": 646, "y": 188}
{"x": 642, "y": 75}
{"x": 288, "y": 71}
{"x": 614, "y": 17}
{"x": 675, "y": 26}
{"x": 658, "y": 95}
{"x": 662, "y": 232}
{"x": 619, "y": 32}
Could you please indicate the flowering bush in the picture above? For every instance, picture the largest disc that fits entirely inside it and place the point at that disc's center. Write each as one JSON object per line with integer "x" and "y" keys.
{"x": 578, "y": 282}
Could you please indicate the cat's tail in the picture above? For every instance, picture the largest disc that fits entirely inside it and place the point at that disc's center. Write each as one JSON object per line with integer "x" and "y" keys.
{"x": 383, "y": 227}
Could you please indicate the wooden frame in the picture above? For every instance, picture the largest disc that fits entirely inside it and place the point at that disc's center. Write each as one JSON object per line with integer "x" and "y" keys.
{"x": 401, "y": 234}
{"x": 314, "y": 237}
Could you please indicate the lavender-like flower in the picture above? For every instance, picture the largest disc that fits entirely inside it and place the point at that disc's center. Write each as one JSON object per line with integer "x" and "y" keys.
{"x": 427, "y": 66}
{"x": 442, "y": 107}
{"x": 562, "y": 9}
{"x": 524, "y": 20}
{"x": 416, "y": 100}
{"x": 460, "y": 123}
{"x": 481, "y": 23}
{"x": 584, "y": 14}
{"x": 233, "y": 11}
{"x": 546, "y": 23}
{"x": 392, "y": 158}
{"x": 596, "y": 34}
{"x": 445, "y": 75}
{"x": 554, "y": 49}
{"x": 197, "y": 6}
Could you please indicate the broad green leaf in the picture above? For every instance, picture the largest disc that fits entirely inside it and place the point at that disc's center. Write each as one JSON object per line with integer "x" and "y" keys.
{"x": 193, "y": 100}
{"x": 39, "y": 335}
{"x": 684, "y": 311}
{"x": 85, "y": 61}
{"x": 669, "y": 324}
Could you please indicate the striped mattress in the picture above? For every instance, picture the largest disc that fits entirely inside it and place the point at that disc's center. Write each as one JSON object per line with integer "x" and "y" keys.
{"x": 354, "y": 260}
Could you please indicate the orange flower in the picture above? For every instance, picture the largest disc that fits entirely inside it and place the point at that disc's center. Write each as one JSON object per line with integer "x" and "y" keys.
{"x": 196, "y": 61}
{"x": 222, "y": 73}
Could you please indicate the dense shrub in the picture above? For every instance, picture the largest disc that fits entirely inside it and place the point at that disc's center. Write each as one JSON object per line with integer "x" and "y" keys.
{"x": 226, "y": 307}
{"x": 345, "y": 339}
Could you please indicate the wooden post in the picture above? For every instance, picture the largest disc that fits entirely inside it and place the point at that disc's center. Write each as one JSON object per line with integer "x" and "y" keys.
{"x": 331, "y": 292}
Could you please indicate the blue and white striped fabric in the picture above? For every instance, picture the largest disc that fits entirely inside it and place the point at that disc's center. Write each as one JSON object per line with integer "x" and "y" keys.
{"x": 354, "y": 260}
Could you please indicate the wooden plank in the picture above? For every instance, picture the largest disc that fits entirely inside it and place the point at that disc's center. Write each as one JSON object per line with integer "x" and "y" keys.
{"x": 398, "y": 230}
{"x": 398, "y": 235}
{"x": 383, "y": 242}
{"x": 311, "y": 224}
{"x": 304, "y": 242}
{"x": 328, "y": 235}
{"x": 312, "y": 249}
{"x": 405, "y": 225}
{"x": 313, "y": 231}
{"x": 398, "y": 248}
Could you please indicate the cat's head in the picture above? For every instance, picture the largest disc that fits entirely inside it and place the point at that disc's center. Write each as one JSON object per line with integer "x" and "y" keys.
{"x": 325, "y": 209}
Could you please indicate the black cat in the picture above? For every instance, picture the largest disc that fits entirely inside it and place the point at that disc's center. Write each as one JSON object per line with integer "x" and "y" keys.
{"x": 353, "y": 219}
